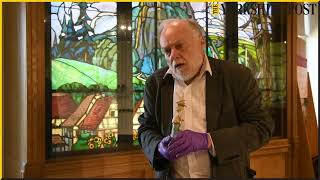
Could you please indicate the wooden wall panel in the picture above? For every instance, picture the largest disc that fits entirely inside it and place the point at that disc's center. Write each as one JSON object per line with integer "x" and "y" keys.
{"x": 304, "y": 157}
{"x": 270, "y": 166}
{"x": 271, "y": 160}
{"x": 125, "y": 164}
{"x": 36, "y": 90}
{"x": 311, "y": 123}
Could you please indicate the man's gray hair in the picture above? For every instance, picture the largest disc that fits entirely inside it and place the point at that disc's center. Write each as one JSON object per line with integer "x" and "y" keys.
{"x": 191, "y": 22}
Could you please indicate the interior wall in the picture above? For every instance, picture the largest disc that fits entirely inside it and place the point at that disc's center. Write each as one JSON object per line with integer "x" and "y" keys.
{"x": 311, "y": 33}
{"x": 15, "y": 89}
{"x": 307, "y": 30}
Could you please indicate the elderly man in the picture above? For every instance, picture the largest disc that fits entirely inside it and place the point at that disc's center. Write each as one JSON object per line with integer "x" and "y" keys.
{"x": 202, "y": 116}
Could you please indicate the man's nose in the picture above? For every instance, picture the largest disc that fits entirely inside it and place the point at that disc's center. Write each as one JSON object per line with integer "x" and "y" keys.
{"x": 174, "y": 54}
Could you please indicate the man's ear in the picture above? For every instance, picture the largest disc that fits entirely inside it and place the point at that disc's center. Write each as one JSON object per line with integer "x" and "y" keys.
{"x": 203, "y": 42}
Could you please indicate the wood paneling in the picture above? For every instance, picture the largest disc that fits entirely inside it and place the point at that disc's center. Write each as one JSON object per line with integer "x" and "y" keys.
{"x": 270, "y": 166}
{"x": 124, "y": 164}
{"x": 304, "y": 157}
{"x": 299, "y": 162}
{"x": 291, "y": 92}
{"x": 271, "y": 160}
{"x": 36, "y": 90}
{"x": 311, "y": 123}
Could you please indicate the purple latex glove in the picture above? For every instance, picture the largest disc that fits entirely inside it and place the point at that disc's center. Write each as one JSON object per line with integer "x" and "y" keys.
{"x": 163, "y": 147}
{"x": 187, "y": 141}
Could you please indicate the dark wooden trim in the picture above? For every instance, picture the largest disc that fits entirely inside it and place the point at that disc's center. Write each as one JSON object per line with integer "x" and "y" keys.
{"x": 36, "y": 87}
{"x": 292, "y": 93}
{"x": 231, "y": 31}
{"x": 156, "y": 58}
{"x": 48, "y": 86}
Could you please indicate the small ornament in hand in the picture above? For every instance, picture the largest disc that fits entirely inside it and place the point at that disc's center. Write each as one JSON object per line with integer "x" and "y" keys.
{"x": 177, "y": 120}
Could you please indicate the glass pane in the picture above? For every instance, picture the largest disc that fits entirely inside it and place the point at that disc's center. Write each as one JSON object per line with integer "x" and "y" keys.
{"x": 262, "y": 48}
{"x": 143, "y": 55}
{"x": 216, "y": 30}
{"x": 83, "y": 76}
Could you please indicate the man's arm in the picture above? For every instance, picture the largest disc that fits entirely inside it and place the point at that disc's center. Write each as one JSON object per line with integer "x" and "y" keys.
{"x": 149, "y": 133}
{"x": 256, "y": 126}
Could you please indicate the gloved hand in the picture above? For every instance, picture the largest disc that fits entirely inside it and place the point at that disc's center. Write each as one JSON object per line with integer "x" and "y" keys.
{"x": 163, "y": 147}
{"x": 187, "y": 141}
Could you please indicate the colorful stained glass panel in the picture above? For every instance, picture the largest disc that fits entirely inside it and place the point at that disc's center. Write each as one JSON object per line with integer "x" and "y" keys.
{"x": 83, "y": 75}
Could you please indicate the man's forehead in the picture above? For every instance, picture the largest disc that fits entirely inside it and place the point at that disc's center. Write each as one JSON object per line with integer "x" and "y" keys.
{"x": 172, "y": 35}
{"x": 166, "y": 42}
{"x": 176, "y": 26}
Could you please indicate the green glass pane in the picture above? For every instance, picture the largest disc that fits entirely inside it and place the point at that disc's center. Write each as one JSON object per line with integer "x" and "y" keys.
{"x": 216, "y": 33}
{"x": 83, "y": 45}
{"x": 266, "y": 57}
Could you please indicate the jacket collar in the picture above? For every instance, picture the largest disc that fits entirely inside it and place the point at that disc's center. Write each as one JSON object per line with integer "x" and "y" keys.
{"x": 214, "y": 98}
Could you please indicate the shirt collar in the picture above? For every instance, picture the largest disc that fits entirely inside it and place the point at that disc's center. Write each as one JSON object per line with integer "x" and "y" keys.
{"x": 204, "y": 68}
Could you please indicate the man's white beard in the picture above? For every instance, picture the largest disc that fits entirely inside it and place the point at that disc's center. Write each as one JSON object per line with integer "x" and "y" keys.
{"x": 183, "y": 77}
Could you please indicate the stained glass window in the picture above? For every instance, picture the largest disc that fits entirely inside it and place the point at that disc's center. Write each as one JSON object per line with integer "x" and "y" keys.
{"x": 83, "y": 76}
{"x": 143, "y": 53}
{"x": 147, "y": 55}
{"x": 86, "y": 111}
{"x": 84, "y": 69}
{"x": 266, "y": 57}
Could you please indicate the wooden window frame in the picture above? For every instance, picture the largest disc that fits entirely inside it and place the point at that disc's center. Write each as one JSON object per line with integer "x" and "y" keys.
{"x": 131, "y": 163}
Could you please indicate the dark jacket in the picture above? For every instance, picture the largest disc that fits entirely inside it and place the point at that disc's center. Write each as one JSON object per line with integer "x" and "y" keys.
{"x": 235, "y": 119}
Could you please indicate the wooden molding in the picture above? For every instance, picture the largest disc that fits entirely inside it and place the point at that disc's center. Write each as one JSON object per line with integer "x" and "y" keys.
{"x": 36, "y": 93}
{"x": 274, "y": 146}
{"x": 291, "y": 91}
